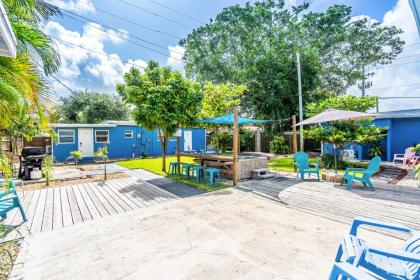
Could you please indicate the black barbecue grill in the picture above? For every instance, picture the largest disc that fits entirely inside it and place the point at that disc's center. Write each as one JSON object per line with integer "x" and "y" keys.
{"x": 30, "y": 158}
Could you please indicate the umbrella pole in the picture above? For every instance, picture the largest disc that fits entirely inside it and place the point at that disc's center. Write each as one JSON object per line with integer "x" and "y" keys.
{"x": 235, "y": 146}
{"x": 335, "y": 163}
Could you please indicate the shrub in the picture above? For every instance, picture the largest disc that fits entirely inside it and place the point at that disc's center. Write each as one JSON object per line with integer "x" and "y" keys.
{"x": 47, "y": 169}
{"x": 77, "y": 155}
{"x": 221, "y": 140}
{"x": 278, "y": 145}
{"x": 327, "y": 162}
{"x": 246, "y": 139}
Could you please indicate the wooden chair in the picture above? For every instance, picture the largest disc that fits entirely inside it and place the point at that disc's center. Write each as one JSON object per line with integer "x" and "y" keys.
{"x": 362, "y": 174}
{"x": 388, "y": 264}
{"x": 9, "y": 200}
{"x": 304, "y": 167}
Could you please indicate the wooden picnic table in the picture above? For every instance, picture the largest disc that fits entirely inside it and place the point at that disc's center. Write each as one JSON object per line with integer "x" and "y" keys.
{"x": 224, "y": 163}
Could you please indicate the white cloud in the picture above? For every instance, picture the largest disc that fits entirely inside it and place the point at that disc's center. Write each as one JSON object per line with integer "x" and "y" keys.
{"x": 82, "y": 64}
{"x": 175, "y": 57}
{"x": 387, "y": 80}
{"x": 81, "y": 6}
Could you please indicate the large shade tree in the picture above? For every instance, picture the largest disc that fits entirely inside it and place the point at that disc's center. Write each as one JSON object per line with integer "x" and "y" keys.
{"x": 163, "y": 100}
{"x": 92, "y": 107}
{"x": 256, "y": 45}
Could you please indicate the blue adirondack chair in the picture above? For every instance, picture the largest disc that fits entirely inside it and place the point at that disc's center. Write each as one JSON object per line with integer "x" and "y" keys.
{"x": 304, "y": 167}
{"x": 349, "y": 272}
{"x": 389, "y": 264}
{"x": 10, "y": 200}
{"x": 362, "y": 174}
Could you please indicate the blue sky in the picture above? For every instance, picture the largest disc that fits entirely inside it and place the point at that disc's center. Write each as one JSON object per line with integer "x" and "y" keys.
{"x": 103, "y": 68}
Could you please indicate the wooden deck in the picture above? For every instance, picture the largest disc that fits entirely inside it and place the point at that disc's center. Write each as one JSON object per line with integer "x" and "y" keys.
{"x": 392, "y": 203}
{"x": 53, "y": 208}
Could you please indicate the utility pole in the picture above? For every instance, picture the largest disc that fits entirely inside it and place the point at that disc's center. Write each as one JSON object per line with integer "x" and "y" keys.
{"x": 300, "y": 101}
{"x": 363, "y": 82}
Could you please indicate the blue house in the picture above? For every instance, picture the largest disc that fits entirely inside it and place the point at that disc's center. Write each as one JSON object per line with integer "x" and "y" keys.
{"x": 403, "y": 131}
{"x": 124, "y": 139}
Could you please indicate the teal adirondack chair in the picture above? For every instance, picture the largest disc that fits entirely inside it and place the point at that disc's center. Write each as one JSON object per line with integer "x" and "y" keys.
{"x": 9, "y": 200}
{"x": 304, "y": 167}
{"x": 382, "y": 262}
{"x": 362, "y": 174}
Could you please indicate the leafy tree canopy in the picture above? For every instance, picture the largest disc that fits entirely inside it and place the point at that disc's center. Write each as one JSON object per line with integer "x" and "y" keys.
{"x": 256, "y": 45}
{"x": 163, "y": 100}
{"x": 221, "y": 99}
{"x": 92, "y": 107}
{"x": 348, "y": 102}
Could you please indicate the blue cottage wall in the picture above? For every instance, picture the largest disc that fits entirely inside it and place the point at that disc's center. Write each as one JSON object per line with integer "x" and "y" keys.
{"x": 119, "y": 146}
{"x": 401, "y": 134}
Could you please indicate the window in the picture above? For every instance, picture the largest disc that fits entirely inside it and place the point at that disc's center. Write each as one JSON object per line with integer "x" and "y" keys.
{"x": 102, "y": 136}
{"x": 128, "y": 133}
{"x": 65, "y": 136}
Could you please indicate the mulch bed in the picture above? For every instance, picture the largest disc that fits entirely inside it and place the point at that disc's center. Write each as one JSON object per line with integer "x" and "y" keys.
{"x": 8, "y": 254}
{"x": 61, "y": 183}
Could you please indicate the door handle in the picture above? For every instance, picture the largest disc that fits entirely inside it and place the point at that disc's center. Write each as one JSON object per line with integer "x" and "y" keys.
{"x": 80, "y": 144}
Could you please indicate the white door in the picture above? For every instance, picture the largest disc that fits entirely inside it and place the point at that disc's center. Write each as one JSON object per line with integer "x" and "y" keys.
{"x": 187, "y": 140}
{"x": 85, "y": 137}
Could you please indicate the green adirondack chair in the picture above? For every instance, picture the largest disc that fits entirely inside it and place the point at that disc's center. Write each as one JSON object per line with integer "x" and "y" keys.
{"x": 304, "y": 167}
{"x": 362, "y": 174}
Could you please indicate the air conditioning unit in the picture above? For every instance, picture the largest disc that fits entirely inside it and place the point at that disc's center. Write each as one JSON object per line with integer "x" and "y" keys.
{"x": 348, "y": 155}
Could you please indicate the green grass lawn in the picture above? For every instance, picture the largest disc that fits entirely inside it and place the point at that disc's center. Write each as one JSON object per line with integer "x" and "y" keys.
{"x": 286, "y": 163}
{"x": 154, "y": 165}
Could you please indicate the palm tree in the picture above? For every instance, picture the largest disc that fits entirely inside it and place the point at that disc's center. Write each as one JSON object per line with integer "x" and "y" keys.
{"x": 22, "y": 78}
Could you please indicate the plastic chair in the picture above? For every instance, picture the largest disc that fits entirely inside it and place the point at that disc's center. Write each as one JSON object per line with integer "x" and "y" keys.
{"x": 187, "y": 167}
{"x": 173, "y": 167}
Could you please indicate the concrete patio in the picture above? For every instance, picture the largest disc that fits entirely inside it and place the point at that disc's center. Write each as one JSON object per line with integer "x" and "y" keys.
{"x": 228, "y": 234}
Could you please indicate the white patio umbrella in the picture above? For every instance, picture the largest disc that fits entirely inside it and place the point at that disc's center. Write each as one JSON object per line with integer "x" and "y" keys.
{"x": 332, "y": 115}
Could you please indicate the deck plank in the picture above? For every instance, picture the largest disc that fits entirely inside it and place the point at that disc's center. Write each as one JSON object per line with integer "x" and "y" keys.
{"x": 103, "y": 201}
{"x": 47, "y": 222}
{"x": 65, "y": 207}
{"x": 39, "y": 212}
{"x": 114, "y": 199}
{"x": 95, "y": 200}
{"x": 129, "y": 191}
{"x": 84, "y": 211}
{"x": 74, "y": 206}
{"x": 57, "y": 211}
{"x": 111, "y": 186}
{"x": 88, "y": 201}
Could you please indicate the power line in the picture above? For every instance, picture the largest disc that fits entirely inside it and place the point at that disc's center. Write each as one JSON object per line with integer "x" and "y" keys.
{"x": 394, "y": 65}
{"x": 397, "y": 86}
{"x": 93, "y": 51}
{"x": 119, "y": 36}
{"x": 177, "y": 12}
{"x": 137, "y": 24}
{"x": 155, "y": 14}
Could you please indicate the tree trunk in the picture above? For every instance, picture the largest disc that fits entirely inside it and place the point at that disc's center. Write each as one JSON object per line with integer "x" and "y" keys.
{"x": 163, "y": 138}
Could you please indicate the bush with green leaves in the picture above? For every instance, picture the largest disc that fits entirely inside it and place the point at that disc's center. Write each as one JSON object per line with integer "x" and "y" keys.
{"x": 221, "y": 140}
{"x": 278, "y": 145}
{"x": 77, "y": 155}
{"x": 327, "y": 162}
{"x": 102, "y": 154}
{"x": 246, "y": 140}
{"x": 47, "y": 170}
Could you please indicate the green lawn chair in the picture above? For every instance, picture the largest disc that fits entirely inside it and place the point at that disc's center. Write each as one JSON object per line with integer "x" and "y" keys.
{"x": 362, "y": 174}
{"x": 304, "y": 167}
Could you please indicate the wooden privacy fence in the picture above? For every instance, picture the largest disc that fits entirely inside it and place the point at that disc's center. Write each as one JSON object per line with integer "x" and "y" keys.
{"x": 309, "y": 144}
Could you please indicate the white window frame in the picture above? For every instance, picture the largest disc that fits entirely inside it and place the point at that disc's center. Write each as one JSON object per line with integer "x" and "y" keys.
{"x": 130, "y": 131}
{"x": 101, "y": 130}
{"x": 71, "y": 130}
